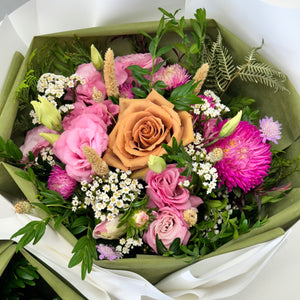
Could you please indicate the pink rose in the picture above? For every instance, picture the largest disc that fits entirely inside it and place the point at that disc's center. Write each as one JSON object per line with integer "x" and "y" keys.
{"x": 97, "y": 111}
{"x": 168, "y": 225}
{"x": 164, "y": 189}
{"x": 93, "y": 78}
{"x": 34, "y": 142}
{"x": 144, "y": 60}
{"x": 109, "y": 230}
{"x": 68, "y": 148}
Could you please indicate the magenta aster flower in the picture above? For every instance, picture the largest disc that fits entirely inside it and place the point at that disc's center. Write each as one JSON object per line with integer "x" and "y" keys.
{"x": 107, "y": 252}
{"x": 173, "y": 76}
{"x": 270, "y": 130}
{"x": 246, "y": 158}
{"x": 61, "y": 182}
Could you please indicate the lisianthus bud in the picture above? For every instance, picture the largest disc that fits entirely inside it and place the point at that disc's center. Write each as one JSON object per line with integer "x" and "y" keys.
{"x": 50, "y": 137}
{"x": 230, "y": 126}
{"x": 23, "y": 207}
{"x": 140, "y": 218}
{"x": 156, "y": 163}
{"x": 109, "y": 230}
{"x": 96, "y": 57}
{"x": 47, "y": 114}
{"x": 190, "y": 216}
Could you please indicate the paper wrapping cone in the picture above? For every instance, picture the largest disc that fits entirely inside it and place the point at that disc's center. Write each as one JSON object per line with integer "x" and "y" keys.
{"x": 282, "y": 106}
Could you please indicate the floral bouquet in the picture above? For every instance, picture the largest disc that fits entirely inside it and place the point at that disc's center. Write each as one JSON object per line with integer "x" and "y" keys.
{"x": 151, "y": 147}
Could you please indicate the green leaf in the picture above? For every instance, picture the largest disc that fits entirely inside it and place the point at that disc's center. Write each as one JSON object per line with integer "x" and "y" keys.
{"x": 25, "y": 239}
{"x": 139, "y": 70}
{"x": 163, "y": 50}
{"x": 2, "y": 144}
{"x": 76, "y": 259}
{"x": 23, "y": 175}
{"x": 160, "y": 247}
{"x": 13, "y": 150}
{"x": 39, "y": 232}
{"x": 139, "y": 92}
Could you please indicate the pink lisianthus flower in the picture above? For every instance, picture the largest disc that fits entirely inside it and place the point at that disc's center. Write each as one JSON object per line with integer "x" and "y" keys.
{"x": 173, "y": 76}
{"x": 144, "y": 60}
{"x": 246, "y": 158}
{"x": 97, "y": 111}
{"x": 34, "y": 142}
{"x": 93, "y": 79}
{"x": 168, "y": 225}
{"x": 109, "y": 230}
{"x": 61, "y": 182}
{"x": 165, "y": 189}
{"x": 68, "y": 148}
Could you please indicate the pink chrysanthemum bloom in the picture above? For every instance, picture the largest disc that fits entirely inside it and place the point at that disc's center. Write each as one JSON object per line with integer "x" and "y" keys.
{"x": 108, "y": 252}
{"x": 61, "y": 182}
{"x": 173, "y": 76}
{"x": 270, "y": 130}
{"x": 246, "y": 158}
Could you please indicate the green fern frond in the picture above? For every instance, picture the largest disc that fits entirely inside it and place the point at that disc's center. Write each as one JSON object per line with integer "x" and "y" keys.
{"x": 263, "y": 68}
{"x": 226, "y": 68}
{"x": 248, "y": 75}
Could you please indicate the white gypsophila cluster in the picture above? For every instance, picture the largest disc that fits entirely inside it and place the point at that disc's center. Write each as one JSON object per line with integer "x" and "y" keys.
{"x": 206, "y": 108}
{"x": 110, "y": 195}
{"x": 125, "y": 245}
{"x": 34, "y": 117}
{"x": 202, "y": 164}
{"x": 47, "y": 155}
{"x": 63, "y": 109}
{"x": 54, "y": 86}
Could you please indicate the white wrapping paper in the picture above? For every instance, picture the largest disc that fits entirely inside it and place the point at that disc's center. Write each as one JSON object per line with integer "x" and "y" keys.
{"x": 227, "y": 276}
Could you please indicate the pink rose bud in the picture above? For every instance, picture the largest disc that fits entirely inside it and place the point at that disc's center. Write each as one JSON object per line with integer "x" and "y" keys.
{"x": 140, "y": 218}
{"x": 109, "y": 230}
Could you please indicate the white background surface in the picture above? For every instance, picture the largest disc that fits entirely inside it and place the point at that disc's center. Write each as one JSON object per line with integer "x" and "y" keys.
{"x": 278, "y": 22}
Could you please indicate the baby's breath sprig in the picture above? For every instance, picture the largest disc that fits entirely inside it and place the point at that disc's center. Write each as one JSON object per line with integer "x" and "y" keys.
{"x": 108, "y": 196}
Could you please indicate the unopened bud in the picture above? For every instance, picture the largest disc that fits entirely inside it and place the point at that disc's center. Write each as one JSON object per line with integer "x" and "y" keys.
{"x": 96, "y": 58}
{"x": 230, "y": 126}
{"x": 156, "y": 164}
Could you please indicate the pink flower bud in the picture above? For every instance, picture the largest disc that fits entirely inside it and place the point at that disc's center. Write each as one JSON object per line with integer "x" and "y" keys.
{"x": 140, "y": 218}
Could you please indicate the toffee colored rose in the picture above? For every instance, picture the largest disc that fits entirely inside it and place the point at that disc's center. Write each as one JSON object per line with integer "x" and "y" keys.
{"x": 143, "y": 125}
{"x": 168, "y": 225}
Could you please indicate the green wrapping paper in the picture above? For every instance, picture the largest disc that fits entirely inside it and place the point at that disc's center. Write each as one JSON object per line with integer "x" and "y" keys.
{"x": 284, "y": 107}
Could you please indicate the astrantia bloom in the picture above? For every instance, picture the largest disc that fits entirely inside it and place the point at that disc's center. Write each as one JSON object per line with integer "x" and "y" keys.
{"x": 270, "y": 130}
{"x": 246, "y": 158}
{"x": 107, "y": 252}
{"x": 61, "y": 182}
{"x": 173, "y": 76}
